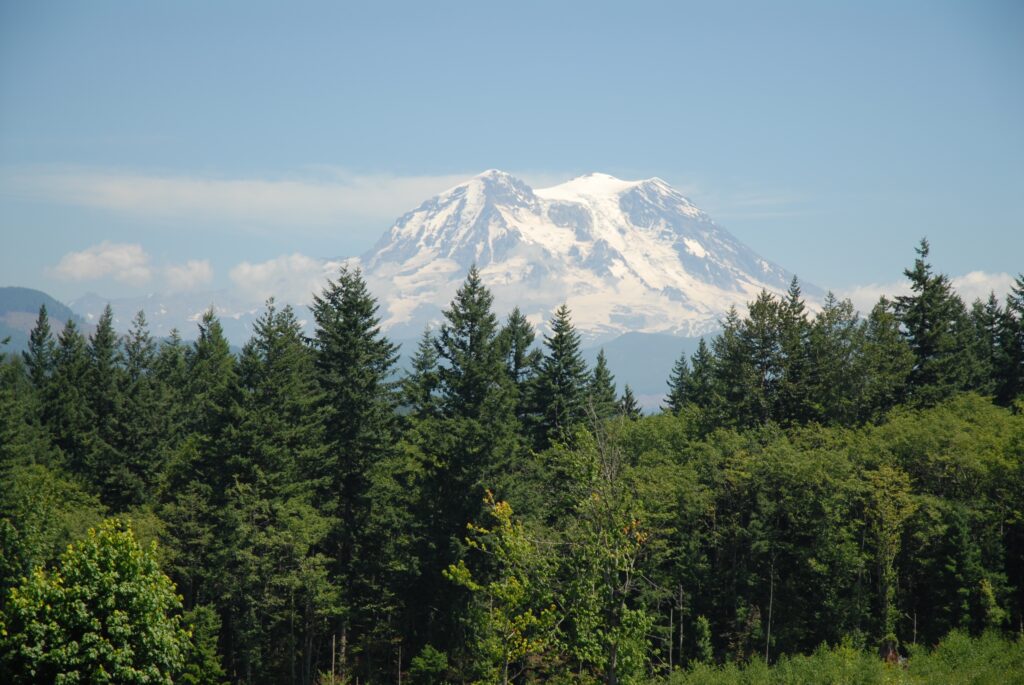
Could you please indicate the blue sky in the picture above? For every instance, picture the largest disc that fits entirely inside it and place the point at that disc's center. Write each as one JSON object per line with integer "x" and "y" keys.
{"x": 150, "y": 146}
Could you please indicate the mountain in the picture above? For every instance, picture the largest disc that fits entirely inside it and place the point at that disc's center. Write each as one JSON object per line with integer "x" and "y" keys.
{"x": 182, "y": 311}
{"x": 19, "y": 308}
{"x": 626, "y": 256}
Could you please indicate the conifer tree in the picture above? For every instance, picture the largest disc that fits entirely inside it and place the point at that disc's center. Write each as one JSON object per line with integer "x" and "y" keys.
{"x": 888, "y": 362}
{"x": 419, "y": 387}
{"x": 702, "y": 389}
{"x": 932, "y": 317}
{"x": 760, "y": 339}
{"x": 834, "y": 388}
{"x": 628, "y": 406}
{"x": 354, "y": 364}
{"x": 986, "y": 320}
{"x": 278, "y": 580}
{"x": 146, "y": 426}
{"x": 795, "y": 334}
{"x": 560, "y": 389}
{"x": 601, "y": 390}
{"x": 679, "y": 382}
{"x": 117, "y": 486}
{"x": 39, "y": 357}
{"x": 1010, "y": 372}
{"x": 522, "y": 359}
{"x": 66, "y": 407}
{"x": 198, "y": 474}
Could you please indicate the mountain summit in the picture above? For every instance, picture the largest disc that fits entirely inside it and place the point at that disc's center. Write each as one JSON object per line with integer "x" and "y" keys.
{"x": 625, "y": 255}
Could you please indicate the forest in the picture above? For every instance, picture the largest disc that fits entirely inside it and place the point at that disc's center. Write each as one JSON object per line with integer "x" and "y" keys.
{"x": 825, "y": 496}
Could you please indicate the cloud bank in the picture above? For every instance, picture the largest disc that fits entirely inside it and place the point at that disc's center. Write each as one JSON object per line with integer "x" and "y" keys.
{"x": 129, "y": 263}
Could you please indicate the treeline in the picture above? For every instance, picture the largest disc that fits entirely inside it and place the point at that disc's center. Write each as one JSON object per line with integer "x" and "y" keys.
{"x": 500, "y": 513}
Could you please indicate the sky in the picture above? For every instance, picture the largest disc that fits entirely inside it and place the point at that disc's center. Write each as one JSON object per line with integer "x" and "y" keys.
{"x": 162, "y": 147}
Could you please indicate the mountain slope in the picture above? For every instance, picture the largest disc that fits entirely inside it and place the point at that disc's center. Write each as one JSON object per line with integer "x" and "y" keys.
{"x": 19, "y": 308}
{"x": 627, "y": 256}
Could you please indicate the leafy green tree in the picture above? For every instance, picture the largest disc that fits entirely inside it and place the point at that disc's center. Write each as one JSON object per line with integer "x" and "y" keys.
{"x": 107, "y": 614}
{"x": 560, "y": 389}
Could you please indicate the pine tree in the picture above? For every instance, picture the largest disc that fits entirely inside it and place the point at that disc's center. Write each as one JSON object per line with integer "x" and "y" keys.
{"x": 522, "y": 359}
{"x": 888, "y": 362}
{"x": 986, "y": 320}
{"x": 146, "y": 424}
{"x": 419, "y": 387}
{"x": 198, "y": 475}
{"x": 272, "y": 531}
{"x": 702, "y": 389}
{"x": 601, "y": 396}
{"x": 628, "y": 406}
{"x": 560, "y": 389}
{"x": 354, "y": 363}
{"x": 795, "y": 334}
{"x": 931, "y": 318}
{"x": 835, "y": 386}
{"x": 1010, "y": 372}
{"x": 760, "y": 339}
{"x": 106, "y": 462}
{"x": 66, "y": 408}
{"x": 39, "y": 357}
{"x": 679, "y": 382}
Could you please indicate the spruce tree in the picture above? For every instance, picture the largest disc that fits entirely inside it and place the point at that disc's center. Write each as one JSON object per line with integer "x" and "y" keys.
{"x": 419, "y": 387}
{"x": 679, "y": 382}
{"x": 117, "y": 485}
{"x": 39, "y": 356}
{"x": 986, "y": 320}
{"x": 522, "y": 359}
{"x": 560, "y": 389}
{"x": 1010, "y": 371}
{"x": 702, "y": 388}
{"x": 601, "y": 396}
{"x": 795, "y": 334}
{"x": 932, "y": 317}
{"x": 66, "y": 408}
{"x": 354, "y": 364}
{"x": 146, "y": 425}
{"x": 628, "y": 406}
{"x": 888, "y": 362}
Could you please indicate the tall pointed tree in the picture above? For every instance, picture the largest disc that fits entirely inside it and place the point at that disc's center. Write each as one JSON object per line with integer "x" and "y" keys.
{"x": 601, "y": 395}
{"x": 628, "y": 405}
{"x": 561, "y": 385}
{"x": 354, "y": 364}
{"x": 66, "y": 407}
{"x": 39, "y": 357}
{"x": 932, "y": 316}
{"x": 117, "y": 487}
{"x": 1010, "y": 372}
{"x": 679, "y": 382}
{"x": 522, "y": 359}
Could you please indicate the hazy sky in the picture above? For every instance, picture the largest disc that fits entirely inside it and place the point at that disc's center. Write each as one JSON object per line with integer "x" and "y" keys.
{"x": 156, "y": 146}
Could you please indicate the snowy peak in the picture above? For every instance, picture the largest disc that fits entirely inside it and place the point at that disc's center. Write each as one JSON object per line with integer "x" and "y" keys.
{"x": 625, "y": 255}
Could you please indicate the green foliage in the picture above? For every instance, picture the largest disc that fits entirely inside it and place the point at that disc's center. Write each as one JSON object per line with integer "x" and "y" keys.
{"x": 428, "y": 667}
{"x": 105, "y": 614}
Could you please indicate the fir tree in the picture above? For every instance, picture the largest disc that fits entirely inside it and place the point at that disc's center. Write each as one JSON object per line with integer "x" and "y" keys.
{"x": 931, "y": 318}
{"x": 39, "y": 357}
{"x": 795, "y": 334}
{"x": 354, "y": 364}
{"x": 118, "y": 486}
{"x": 66, "y": 408}
{"x": 1010, "y": 371}
{"x": 628, "y": 406}
{"x": 601, "y": 390}
{"x": 888, "y": 362}
{"x": 419, "y": 387}
{"x": 679, "y": 382}
{"x": 522, "y": 359}
{"x": 560, "y": 389}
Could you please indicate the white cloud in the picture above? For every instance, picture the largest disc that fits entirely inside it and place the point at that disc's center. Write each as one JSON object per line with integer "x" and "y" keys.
{"x": 326, "y": 200}
{"x": 125, "y": 262}
{"x": 193, "y": 275}
{"x": 289, "y": 278}
{"x": 970, "y": 286}
{"x": 977, "y": 285}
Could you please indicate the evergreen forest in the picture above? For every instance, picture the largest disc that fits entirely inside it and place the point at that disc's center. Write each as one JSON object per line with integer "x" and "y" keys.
{"x": 825, "y": 496}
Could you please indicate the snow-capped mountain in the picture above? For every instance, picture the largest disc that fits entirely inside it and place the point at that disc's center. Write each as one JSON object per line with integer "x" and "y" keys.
{"x": 627, "y": 256}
